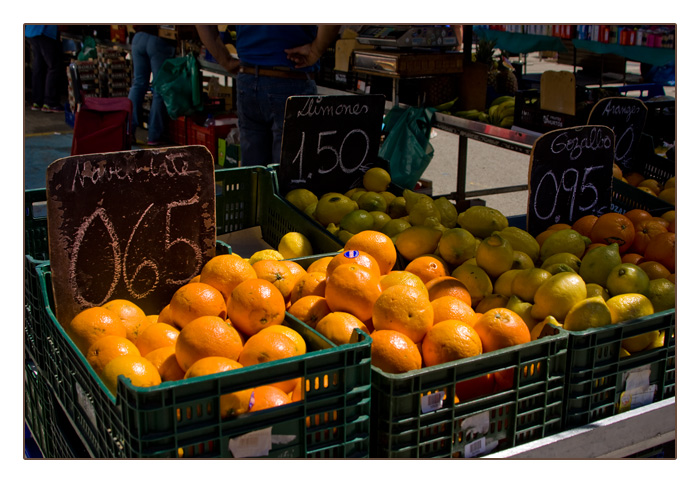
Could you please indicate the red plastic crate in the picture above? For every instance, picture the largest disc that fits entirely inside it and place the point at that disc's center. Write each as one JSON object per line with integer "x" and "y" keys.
{"x": 177, "y": 131}
{"x": 208, "y": 136}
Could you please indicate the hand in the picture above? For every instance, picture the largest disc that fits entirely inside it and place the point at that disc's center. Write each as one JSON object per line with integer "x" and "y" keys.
{"x": 302, "y": 56}
{"x": 232, "y": 65}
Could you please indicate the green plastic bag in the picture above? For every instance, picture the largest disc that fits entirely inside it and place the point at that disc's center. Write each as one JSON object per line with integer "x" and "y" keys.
{"x": 89, "y": 49}
{"x": 407, "y": 146}
{"x": 179, "y": 83}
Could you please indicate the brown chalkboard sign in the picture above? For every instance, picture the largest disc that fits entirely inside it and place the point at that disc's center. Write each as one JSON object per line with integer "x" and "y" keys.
{"x": 626, "y": 116}
{"x": 329, "y": 142}
{"x": 570, "y": 176}
{"x": 134, "y": 224}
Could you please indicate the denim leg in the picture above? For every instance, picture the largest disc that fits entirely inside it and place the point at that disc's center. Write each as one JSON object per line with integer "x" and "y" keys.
{"x": 141, "y": 74}
{"x": 158, "y": 51}
{"x": 38, "y": 71}
{"x": 53, "y": 56}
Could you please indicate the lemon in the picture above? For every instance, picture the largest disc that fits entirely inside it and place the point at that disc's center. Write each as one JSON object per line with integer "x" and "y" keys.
{"x": 371, "y": 201}
{"x": 566, "y": 258}
{"x": 310, "y": 210}
{"x": 588, "y": 313}
{"x": 558, "y": 294}
{"x": 376, "y": 179}
{"x": 624, "y": 353}
{"x": 422, "y": 209}
{"x": 355, "y": 193}
{"x": 668, "y": 195}
{"x": 522, "y": 241}
{"x": 448, "y": 212}
{"x": 418, "y": 240}
{"x": 333, "y": 229}
{"x": 357, "y": 221}
{"x": 295, "y": 245}
{"x": 302, "y": 198}
{"x": 563, "y": 241}
{"x": 388, "y": 196}
{"x": 331, "y": 208}
{"x": 658, "y": 342}
{"x": 662, "y": 294}
{"x": 267, "y": 254}
{"x": 481, "y": 221}
{"x": 344, "y": 236}
{"x": 523, "y": 309}
{"x": 670, "y": 182}
{"x": 397, "y": 207}
{"x": 402, "y": 277}
{"x": 476, "y": 280}
{"x": 631, "y": 306}
{"x": 380, "y": 219}
{"x": 456, "y": 246}
{"x": 412, "y": 198}
{"x": 504, "y": 283}
{"x": 627, "y": 278}
{"x": 495, "y": 255}
{"x": 526, "y": 282}
{"x": 598, "y": 262}
{"x": 522, "y": 260}
{"x": 542, "y": 329}
{"x": 434, "y": 223}
{"x": 394, "y": 227}
{"x": 594, "y": 289}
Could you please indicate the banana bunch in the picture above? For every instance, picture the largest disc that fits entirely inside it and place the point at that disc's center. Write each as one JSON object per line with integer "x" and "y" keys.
{"x": 500, "y": 112}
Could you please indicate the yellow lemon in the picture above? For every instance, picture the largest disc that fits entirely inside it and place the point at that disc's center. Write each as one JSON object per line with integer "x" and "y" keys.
{"x": 588, "y": 313}
{"x": 495, "y": 255}
{"x": 310, "y": 210}
{"x": 522, "y": 241}
{"x": 594, "y": 289}
{"x": 388, "y": 196}
{"x": 380, "y": 219}
{"x": 627, "y": 278}
{"x": 333, "y": 229}
{"x": 523, "y": 309}
{"x": 331, "y": 208}
{"x": 267, "y": 254}
{"x": 302, "y": 198}
{"x": 397, "y": 207}
{"x": 476, "y": 280}
{"x": 481, "y": 221}
{"x": 558, "y": 294}
{"x": 598, "y": 262}
{"x": 354, "y": 192}
{"x": 357, "y": 221}
{"x": 504, "y": 283}
{"x": 631, "y": 306}
{"x": 344, "y": 236}
{"x": 412, "y": 198}
{"x": 418, "y": 240}
{"x": 423, "y": 209}
{"x": 522, "y": 260}
{"x": 557, "y": 268}
{"x": 670, "y": 182}
{"x": 456, "y": 246}
{"x": 372, "y": 201}
{"x": 395, "y": 226}
{"x": 542, "y": 329}
{"x": 402, "y": 277}
{"x": 658, "y": 342}
{"x": 295, "y": 245}
{"x": 566, "y": 258}
{"x": 668, "y": 195}
{"x": 662, "y": 294}
{"x": 376, "y": 179}
{"x": 563, "y": 241}
{"x": 526, "y": 282}
{"x": 448, "y": 212}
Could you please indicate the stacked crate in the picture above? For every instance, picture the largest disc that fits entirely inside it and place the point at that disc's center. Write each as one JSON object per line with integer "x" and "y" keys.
{"x": 114, "y": 71}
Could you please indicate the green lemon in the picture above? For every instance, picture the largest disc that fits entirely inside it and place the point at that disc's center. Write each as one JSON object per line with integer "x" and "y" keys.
{"x": 355, "y": 193}
{"x": 372, "y": 201}
{"x": 627, "y": 278}
{"x": 380, "y": 219}
{"x": 448, "y": 212}
{"x": 481, "y": 221}
{"x": 397, "y": 207}
{"x": 394, "y": 227}
{"x": 422, "y": 209}
{"x": 563, "y": 241}
{"x": 522, "y": 260}
{"x": 302, "y": 198}
{"x": 594, "y": 289}
{"x": 662, "y": 294}
{"x": 555, "y": 268}
{"x": 598, "y": 262}
{"x": 523, "y": 309}
{"x": 566, "y": 258}
{"x": 332, "y": 207}
{"x": 588, "y": 313}
{"x": 456, "y": 246}
{"x": 357, "y": 221}
{"x": 412, "y": 198}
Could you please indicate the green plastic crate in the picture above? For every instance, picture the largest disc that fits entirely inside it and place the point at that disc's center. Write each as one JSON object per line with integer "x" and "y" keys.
{"x": 626, "y": 197}
{"x": 181, "y": 418}
{"x": 596, "y": 374}
{"x": 406, "y": 422}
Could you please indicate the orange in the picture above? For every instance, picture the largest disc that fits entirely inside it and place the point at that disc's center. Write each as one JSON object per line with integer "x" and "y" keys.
{"x": 296, "y": 270}
{"x": 491, "y": 301}
{"x": 319, "y": 265}
{"x": 637, "y": 215}
{"x": 449, "y": 307}
{"x": 265, "y": 397}
{"x": 131, "y": 315}
{"x": 339, "y": 327}
{"x": 652, "y": 184}
{"x": 654, "y": 270}
{"x": 166, "y": 362}
{"x": 107, "y": 348}
{"x": 500, "y": 328}
{"x": 165, "y": 317}
{"x": 450, "y": 340}
{"x": 542, "y": 236}
{"x": 394, "y": 352}
{"x": 310, "y": 309}
{"x": 378, "y": 245}
{"x": 631, "y": 257}
{"x": 271, "y": 345}
{"x": 354, "y": 257}
{"x": 401, "y": 277}
{"x": 613, "y": 228}
{"x": 645, "y": 230}
{"x": 448, "y": 285}
{"x": 294, "y": 336}
{"x": 476, "y": 387}
{"x": 278, "y": 274}
{"x": 225, "y": 272}
{"x": 197, "y": 278}
{"x": 405, "y": 309}
{"x": 662, "y": 249}
{"x": 354, "y": 289}
{"x": 255, "y": 304}
{"x": 152, "y": 319}
{"x": 139, "y": 370}
{"x": 211, "y": 365}
{"x": 156, "y": 336}
{"x": 591, "y": 246}
{"x": 195, "y": 300}
{"x": 617, "y": 171}
{"x": 311, "y": 283}
{"x": 427, "y": 267}
{"x": 584, "y": 224}
{"x": 559, "y": 226}
{"x": 297, "y": 393}
{"x": 206, "y": 336}
{"x": 634, "y": 178}
{"x": 91, "y": 324}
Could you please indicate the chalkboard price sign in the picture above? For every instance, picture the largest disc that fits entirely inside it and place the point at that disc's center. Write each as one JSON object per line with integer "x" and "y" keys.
{"x": 626, "y": 116}
{"x": 329, "y": 142}
{"x": 570, "y": 176}
{"x": 132, "y": 224}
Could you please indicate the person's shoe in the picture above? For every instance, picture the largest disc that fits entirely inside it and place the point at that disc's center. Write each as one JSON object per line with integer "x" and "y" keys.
{"x": 47, "y": 108}
{"x": 35, "y": 107}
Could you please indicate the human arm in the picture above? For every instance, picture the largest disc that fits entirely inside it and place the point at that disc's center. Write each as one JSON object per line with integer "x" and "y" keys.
{"x": 209, "y": 35}
{"x": 308, "y": 54}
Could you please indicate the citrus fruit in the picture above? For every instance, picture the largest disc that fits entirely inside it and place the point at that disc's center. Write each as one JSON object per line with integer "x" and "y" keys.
{"x": 627, "y": 278}
{"x": 394, "y": 352}
{"x": 195, "y": 300}
{"x": 668, "y": 195}
{"x": 139, "y": 370}
{"x": 268, "y": 345}
{"x": 481, "y": 221}
{"x": 588, "y": 313}
{"x": 293, "y": 335}
{"x": 629, "y": 257}
{"x": 630, "y": 306}
{"x": 339, "y": 327}
{"x": 310, "y": 309}
{"x": 476, "y": 280}
{"x": 302, "y": 198}
{"x": 654, "y": 269}
{"x": 266, "y": 397}
{"x": 354, "y": 289}
{"x": 395, "y": 226}
{"x": 557, "y": 295}
{"x": 211, "y": 365}
{"x": 380, "y": 220}
{"x": 295, "y": 268}
{"x": 662, "y": 249}
{"x": 523, "y": 309}
{"x": 645, "y": 230}
{"x": 355, "y": 193}
{"x": 311, "y": 283}
{"x": 448, "y": 212}
{"x": 495, "y": 255}
{"x": 332, "y": 207}
{"x": 566, "y": 258}
{"x": 448, "y": 341}
{"x": 405, "y": 309}
{"x": 93, "y": 323}
{"x": 521, "y": 261}
{"x": 637, "y": 215}
{"x": 131, "y": 315}
{"x": 522, "y": 241}
{"x": 563, "y": 241}
{"x": 447, "y": 285}
{"x": 427, "y": 267}
{"x": 354, "y": 257}
{"x": 164, "y": 316}
{"x": 224, "y": 272}
{"x": 376, "y": 179}
{"x": 449, "y": 307}
{"x": 594, "y": 289}
{"x": 295, "y": 245}
{"x": 419, "y": 240}
{"x": 500, "y": 328}
{"x": 156, "y": 336}
{"x": 397, "y": 207}
{"x": 541, "y": 329}
{"x": 255, "y": 304}
{"x": 584, "y": 225}
{"x": 207, "y": 336}
{"x": 526, "y": 282}
{"x": 402, "y": 277}
{"x": 165, "y": 361}
{"x": 423, "y": 209}
{"x": 357, "y": 221}
{"x": 372, "y": 201}
{"x": 504, "y": 283}
{"x": 650, "y": 183}
{"x": 456, "y": 246}
{"x": 491, "y": 301}
{"x": 412, "y": 198}
{"x": 376, "y": 244}
{"x": 107, "y": 348}
{"x": 598, "y": 262}
{"x": 319, "y": 265}
{"x": 662, "y": 294}
{"x": 613, "y": 228}
{"x": 278, "y": 274}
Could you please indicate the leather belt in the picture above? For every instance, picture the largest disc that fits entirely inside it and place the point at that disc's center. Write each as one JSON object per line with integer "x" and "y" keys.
{"x": 272, "y": 72}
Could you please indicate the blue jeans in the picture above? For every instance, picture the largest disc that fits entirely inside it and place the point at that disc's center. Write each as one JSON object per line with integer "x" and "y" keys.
{"x": 47, "y": 67}
{"x": 260, "y": 102}
{"x": 148, "y": 52}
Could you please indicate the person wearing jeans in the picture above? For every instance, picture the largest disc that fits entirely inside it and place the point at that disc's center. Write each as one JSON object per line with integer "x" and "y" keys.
{"x": 47, "y": 67}
{"x": 148, "y": 52}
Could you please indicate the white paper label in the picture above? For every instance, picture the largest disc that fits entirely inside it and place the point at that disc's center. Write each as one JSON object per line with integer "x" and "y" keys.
{"x": 477, "y": 424}
{"x": 475, "y": 448}
{"x": 85, "y": 403}
{"x": 637, "y": 378}
{"x": 251, "y": 445}
{"x": 431, "y": 402}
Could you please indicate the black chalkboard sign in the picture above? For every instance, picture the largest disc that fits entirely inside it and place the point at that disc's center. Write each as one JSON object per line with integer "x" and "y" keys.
{"x": 329, "y": 142}
{"x": 132, "y": 224}
{"x": 570, "y": 176}
{"x": 626, "y": 116}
